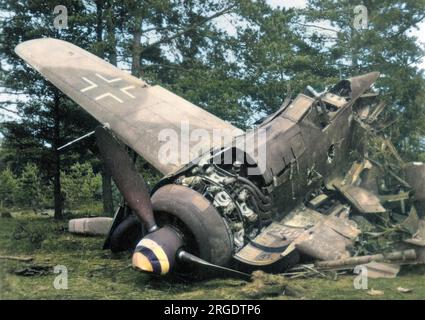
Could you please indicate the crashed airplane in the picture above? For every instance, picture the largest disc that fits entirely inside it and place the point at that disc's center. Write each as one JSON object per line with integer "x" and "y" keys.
{"x": 315, "y": 198}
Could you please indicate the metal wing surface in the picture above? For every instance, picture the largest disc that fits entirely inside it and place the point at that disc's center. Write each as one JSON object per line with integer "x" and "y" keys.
{"x": 134, "y": 110}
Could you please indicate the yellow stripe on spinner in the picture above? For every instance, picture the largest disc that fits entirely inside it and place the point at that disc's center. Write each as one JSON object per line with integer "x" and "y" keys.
{"x": 142, "y": 262}
{"x": 159, "y": 253}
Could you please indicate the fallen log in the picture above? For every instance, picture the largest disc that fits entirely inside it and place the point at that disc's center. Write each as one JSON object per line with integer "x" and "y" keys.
{"x": 24, "y": 259}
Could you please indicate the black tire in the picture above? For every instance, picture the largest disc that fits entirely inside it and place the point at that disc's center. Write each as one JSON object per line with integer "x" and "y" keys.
{"x": 126, "y": 235}
{"x": 209, "y": 230}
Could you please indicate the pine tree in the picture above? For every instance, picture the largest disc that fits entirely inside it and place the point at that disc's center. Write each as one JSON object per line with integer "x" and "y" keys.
{"x": 8, "y": 188}
{"x": 39, "y": 131}
{"x": 29, "y": 187}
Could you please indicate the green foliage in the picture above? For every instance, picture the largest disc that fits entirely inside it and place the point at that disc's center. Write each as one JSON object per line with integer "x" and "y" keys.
{"x": 32, "y": 234}
{"x": 29, "y": 193}
{"x": 81, "y": 185}
{"x": 275, "y": 60}
{"x": 81, "y": 188}
{"x": 8, "y": 188}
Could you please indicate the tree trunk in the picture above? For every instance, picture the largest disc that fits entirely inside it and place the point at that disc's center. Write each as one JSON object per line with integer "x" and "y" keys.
{"x": 58, "y": 197}
{"x": 108, "y": 201}
{"x": 136, "y": 50}
{"x": 110, "y": 33}
{"x": 99, "y": 27}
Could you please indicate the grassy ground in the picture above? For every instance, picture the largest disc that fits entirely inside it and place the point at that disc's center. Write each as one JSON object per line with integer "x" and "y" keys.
{"x": 97, "y": 274}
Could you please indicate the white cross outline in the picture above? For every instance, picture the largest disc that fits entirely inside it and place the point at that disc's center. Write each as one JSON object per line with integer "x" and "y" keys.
{"x": 106, "y": 80}
{"x": 108, "y": 94}
{"x": 91, "y": 86}
{"x": 125, "y": 90}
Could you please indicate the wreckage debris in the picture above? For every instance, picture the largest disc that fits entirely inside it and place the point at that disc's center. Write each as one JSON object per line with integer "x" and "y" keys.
{"x": 375, "y": 293}
{"x": 269, "y": 285}
{"x": 327, "y": 240}
{"x": 95, "y": 226}
{"x": 34, "y": 270}
{"x": 402, "y": 257}
{"x": 358, "y": 219}
{"x": 370, "y": 212}
{"x": 23, "y": 259}
{"x": 377, "y": 270}
{"x": 223, "y": 210}
{"x": 404, "y": 290}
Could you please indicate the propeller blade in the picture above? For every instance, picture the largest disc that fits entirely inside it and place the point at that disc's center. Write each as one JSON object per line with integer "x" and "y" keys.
{"x": 129, "y": 182}
{"x": 190, "y": 258}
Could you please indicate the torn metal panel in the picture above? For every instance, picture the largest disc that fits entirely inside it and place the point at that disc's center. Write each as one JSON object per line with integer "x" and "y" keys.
{"x": 360, "y": 84}
{"x": 297, "y": 109}
{"x": 345, "y": 227}
{"x": 324, "y": 243}
{"x": 334, "y": 100}
{"x": 329, "y": 239}
{"x": 267, "y": 247}
{"x": 382, "y": 270}
{"x": 353, "y": 175}
{"x": 419, "y": 236}
{"x": 302, "y": 217}
{"x": 415, "y": 176}
{"x": 317, "y": 201}
{"x": 411, "y": 223}
{"x": 355, "y": 86}
{"x": 370, "y": 179}
{"x": 339, "y": 210}
{"x": 363, "y": 200}
{"x": 334, "y": 181}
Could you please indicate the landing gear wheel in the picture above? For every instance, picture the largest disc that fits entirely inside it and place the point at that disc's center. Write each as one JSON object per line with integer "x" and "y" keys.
{"x": 205, "y": 231}
{"x": 126, "y": 234}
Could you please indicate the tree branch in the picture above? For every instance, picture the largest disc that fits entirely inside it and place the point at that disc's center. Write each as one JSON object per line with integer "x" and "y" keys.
{"x": 155, "y": 29}
{"x": 14, "y": 92}
{"x": 403, "y": 30}
{"x": 315, "y": 26}
{"x": 189, "y": 28}
{"x": 8, "y": 110}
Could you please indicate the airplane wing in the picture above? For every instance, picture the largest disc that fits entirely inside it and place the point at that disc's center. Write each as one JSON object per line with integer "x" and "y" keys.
{"x": 135, "y": 111}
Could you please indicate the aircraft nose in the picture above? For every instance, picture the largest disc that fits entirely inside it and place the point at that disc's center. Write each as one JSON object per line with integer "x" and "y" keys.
{"x": 156, "y": 253}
